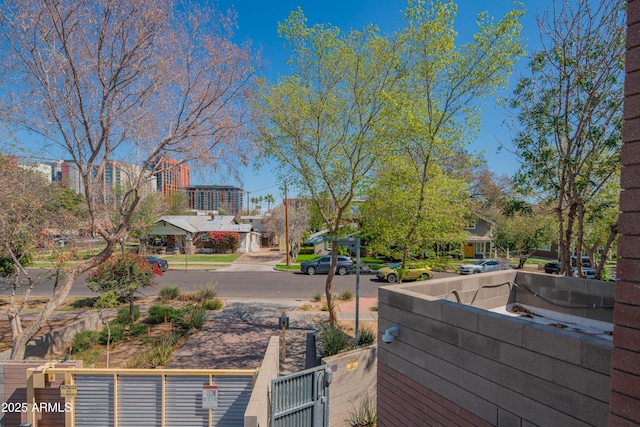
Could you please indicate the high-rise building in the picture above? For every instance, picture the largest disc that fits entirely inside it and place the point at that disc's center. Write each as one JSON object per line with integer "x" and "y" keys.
{"x": 172, "y": 176}
{"x": 215, "y": 198}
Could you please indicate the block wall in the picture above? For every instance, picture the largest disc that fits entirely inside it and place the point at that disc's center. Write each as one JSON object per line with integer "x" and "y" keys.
{"x": 625, "y": 372}
{"x": 494, "y": 370}
{"x": 354, "y": 381}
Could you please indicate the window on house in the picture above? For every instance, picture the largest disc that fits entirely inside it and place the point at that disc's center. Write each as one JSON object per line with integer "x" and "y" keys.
{"x": 471, "y": 225}
{"x": 204, "y": 238}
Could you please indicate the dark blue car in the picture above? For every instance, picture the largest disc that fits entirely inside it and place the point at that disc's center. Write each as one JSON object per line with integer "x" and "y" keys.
{"x": 162, "y": 264}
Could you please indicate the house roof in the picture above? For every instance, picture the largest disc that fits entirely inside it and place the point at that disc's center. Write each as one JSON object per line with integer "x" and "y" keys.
{"x": 203, "y": 224}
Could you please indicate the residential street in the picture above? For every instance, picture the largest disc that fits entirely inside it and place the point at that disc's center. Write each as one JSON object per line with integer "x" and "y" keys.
{"x": 231, "y": 284}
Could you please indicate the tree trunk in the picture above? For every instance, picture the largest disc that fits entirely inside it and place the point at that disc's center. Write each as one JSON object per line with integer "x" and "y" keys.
{"x": 328, "y": 284}
{"x": 23, "y": 336}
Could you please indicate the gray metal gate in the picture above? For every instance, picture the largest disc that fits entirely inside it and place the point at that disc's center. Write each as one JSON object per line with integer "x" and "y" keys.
{"x": 301, "y": 399}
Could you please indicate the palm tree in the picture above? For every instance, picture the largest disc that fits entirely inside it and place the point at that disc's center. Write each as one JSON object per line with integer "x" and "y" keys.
{"x": 269, "y": 199}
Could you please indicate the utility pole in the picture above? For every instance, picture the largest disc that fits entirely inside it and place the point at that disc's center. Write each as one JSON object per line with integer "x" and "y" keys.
{"x": 286, "y": 223}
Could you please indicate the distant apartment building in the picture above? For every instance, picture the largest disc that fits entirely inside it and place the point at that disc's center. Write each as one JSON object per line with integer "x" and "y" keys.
{"x": 215, "y": 198}
{"x": 172, "y": 176}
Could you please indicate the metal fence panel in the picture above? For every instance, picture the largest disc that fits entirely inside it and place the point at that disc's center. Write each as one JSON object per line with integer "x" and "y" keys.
{"x": 140, "y": 400}
{"x": 301, "y": 399}
{"x": 94, "y": 405}
{"x": 184, "y": 401}
{"x": 234, "y": 395}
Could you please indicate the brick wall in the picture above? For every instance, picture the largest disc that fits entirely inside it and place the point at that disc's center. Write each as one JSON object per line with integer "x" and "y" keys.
{"x": 625, "y": 372}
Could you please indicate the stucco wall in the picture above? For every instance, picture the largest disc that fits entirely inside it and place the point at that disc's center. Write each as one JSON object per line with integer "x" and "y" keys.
{"x": 257, "y": 412}
{"x": 452, "y": 362}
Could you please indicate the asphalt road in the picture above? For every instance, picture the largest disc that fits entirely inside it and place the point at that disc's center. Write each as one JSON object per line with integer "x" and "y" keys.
{"x": 245, "y": 284}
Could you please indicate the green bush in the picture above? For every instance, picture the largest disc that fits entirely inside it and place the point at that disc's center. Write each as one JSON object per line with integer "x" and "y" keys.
{"x": 169, "y": 292}
{"x": 335, "y": 341}
{"x": 84, "y": 340}
{"x": 317, "y": 296}
{"x": 117, "y": 330}
{"x": 366, "y": 336}
{"x": 212, "y": 304}
{"x": 193, "y": 317}
{"x": 123, "y": 315}
{"x": 159, "y": 313}
{"x": 137, "y": 329}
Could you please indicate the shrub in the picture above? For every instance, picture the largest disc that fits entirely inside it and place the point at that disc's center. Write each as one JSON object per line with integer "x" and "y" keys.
{"x": 224, "y": 240}
{"x": 207, "y": 292}
{"x": 193, "y": 317}
{"x": 345, "y": 295}
{"x": 364, "y": 416}
{"x": 117, "y": 331}
{"x": 159, "y": 313}
{"x": 212, "y": 304}
{"x": 123, "y": 315}
{"x": 366, "y": 336}
{"x": 317, "y": 296}
{"x": 84, "y": 340}
{"x": 137, "y": 329}
{"x": 169, "y": 292}
{"x": 334, "y": 340}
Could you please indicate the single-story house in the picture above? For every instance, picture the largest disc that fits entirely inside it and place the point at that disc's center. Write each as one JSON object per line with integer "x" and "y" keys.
{"x": 188, "y": 233}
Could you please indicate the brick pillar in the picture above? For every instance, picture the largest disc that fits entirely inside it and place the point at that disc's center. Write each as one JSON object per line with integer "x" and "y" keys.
{"x": 624, "y": 405}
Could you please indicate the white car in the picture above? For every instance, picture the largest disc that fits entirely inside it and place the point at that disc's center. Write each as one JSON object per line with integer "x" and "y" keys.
{"x": 482, "y": 266}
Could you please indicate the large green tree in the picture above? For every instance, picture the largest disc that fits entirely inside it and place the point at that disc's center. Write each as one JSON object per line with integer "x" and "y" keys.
{"x": 135, "y": 81}
{"x": 325, "y": 124}
{"x": 569, "y": 113}
{"x": 418, "y": 199}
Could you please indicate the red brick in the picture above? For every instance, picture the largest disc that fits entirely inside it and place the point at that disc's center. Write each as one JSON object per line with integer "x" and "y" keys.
{"x": 627, "y": 338}
{"x": 625, "y": 383}
{"x": 627, "y": 315}
{"x": 630, "y": 176}
{"x": 631, "y": 131}
{"x": 627, "y": 361}
{"x": 631, "y": 153}
{"x": 632, "y": 80}
{"x": 628, "y": 247}
{"x": 628, "y": 269}
{"x": 616, "y": 421}
{"x": 633, "y": 11}
{"x": 628, "y": 292}
{"x": 625, "y": 406}
{"x": 633, "y": 35}
{"x": 631, "y": 104}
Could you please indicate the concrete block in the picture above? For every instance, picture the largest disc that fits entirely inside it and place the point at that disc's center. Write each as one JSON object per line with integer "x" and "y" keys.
{"x": 401, "y": 300}
{"x": 478, "y": 385}
{"x": 442, "y": 331}
{"x": 527, "y": 361}
{"x": 433, "y": 288}
{"x": 553, "y": 396}
{"x": 504, "y": 376}
{"x": 501, "y": 327}
{"x": 428, "y": 308}
{"x": 557, "y": 343}
{"x": 593, "y": 411}
{"x": 585, "y": 299}
{"x": 581, "y": 380}
{"x": 486, "y": 410}
{"x": 600, "y": 287}
{"x": 596, "y": 354}
{"x": 524, "y": 407}
{"x": 460, "y": 315}
{"x": 508, "y": 419}
{"x": 479, "y": 344}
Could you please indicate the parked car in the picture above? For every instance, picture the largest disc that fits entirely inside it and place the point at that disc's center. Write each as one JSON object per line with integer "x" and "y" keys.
{"x": 412, "y": 272}
{"x": 587, "y": 272}
{"x": 552, "y": 267}
{"x": 321, "y": 265}
{"x": 483, "y": 266}
{"x": 162, "y": 264}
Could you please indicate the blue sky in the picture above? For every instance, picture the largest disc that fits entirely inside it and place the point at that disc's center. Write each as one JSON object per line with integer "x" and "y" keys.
{"x": 257, "y": 21}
